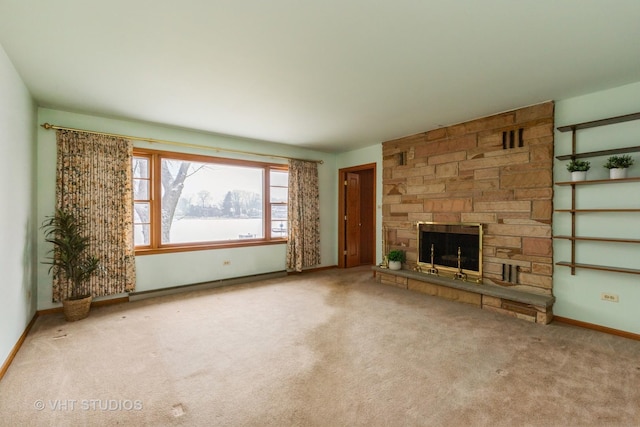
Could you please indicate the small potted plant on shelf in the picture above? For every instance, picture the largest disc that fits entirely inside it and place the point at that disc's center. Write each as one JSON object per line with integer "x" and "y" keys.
{"x": 578, "y": 169}
{"x": 396, "y": 257}
{"x": 70, "y": 262}
{"x": 618, "y": 165}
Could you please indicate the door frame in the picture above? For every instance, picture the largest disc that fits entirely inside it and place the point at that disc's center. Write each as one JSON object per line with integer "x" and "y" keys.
{"x": 342, "y": 176}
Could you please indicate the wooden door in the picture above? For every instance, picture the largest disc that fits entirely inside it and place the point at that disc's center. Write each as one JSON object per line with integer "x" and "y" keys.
{"x": 352, "y": 220}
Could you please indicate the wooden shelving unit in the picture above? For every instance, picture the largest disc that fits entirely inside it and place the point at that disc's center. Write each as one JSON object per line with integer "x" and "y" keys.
{"x": 574, "y": 238}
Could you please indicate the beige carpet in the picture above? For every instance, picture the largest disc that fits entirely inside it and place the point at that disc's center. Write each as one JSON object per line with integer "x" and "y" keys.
{"x": 331, "y": 348}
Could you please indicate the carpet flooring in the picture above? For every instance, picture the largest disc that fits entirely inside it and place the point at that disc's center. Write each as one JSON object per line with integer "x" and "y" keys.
{"x": 329, "y": 348}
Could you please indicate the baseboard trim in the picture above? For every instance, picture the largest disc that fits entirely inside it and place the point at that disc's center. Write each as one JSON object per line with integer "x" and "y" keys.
{"x": 14, "y": 350}
{"x": 136, "y": 296}
{"x": 99, "y": 303}
{"x": 598, "y": 328}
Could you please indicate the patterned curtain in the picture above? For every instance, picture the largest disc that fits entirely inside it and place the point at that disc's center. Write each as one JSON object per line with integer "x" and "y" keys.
{"x": 93, "y": 181}
{"x": 303, "y": 246}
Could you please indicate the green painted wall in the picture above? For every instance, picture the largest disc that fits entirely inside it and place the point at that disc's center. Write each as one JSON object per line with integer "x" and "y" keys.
{"x": 579, "y": 296}
{"x": 17, "y": 227}
{"x": 166, "y": 270}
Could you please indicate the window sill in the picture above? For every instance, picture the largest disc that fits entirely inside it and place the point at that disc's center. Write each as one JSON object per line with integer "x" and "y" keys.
{"x": 206, "y": 247}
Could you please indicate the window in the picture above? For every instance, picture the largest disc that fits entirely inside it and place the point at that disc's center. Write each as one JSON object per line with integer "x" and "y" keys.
{"x": 188, "y": 202}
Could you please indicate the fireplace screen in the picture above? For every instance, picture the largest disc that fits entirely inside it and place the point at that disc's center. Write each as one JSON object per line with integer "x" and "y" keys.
{"x": 450, "y": 249}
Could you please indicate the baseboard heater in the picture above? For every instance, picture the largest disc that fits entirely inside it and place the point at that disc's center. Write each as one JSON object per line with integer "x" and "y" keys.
{"x": 135, "y": 296}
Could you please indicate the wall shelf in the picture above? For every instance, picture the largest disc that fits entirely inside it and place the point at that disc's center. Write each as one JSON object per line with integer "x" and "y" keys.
{"x": 602, "y": 122}
{"x": 597, "y": 210}
{"x": 598, "y": 267}
{"x": 598, "y": 239}
{"x": 599, "y": 181}
{"x": 586, "y": 155}
{"x": 573, "y": 211}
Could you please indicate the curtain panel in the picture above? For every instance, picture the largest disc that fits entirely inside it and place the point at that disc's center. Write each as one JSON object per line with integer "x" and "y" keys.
{"x": 303, "y": 245}
{"x": 93, "y": 181}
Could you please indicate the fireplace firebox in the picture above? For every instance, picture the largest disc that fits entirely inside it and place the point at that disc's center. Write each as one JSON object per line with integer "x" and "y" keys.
{"x": 450, "y": 250}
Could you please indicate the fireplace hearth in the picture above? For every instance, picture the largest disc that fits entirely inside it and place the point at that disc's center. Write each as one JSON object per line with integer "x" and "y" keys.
{"x": 450, "y": 250}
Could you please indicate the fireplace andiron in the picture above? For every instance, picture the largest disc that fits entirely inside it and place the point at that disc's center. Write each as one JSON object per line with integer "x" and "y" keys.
{"x": 459, "y": 274}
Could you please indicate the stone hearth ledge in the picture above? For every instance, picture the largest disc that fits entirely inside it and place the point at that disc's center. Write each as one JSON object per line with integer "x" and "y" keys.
{"x": 532, "y": 307}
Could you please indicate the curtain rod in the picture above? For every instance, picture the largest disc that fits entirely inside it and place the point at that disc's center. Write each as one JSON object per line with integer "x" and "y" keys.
{"x": 48, "y": 126}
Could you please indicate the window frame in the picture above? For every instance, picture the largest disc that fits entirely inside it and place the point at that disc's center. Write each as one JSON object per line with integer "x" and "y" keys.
{"x": 156, "y": 246}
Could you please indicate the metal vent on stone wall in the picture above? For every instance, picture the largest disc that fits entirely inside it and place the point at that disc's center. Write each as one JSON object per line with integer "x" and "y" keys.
{"x": 510, "y": 273}
{"x": 402, "y": 158}
{"x": 512, "y": 138}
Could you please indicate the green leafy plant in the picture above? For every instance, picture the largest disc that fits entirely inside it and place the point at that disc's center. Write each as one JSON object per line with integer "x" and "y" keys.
{"x": 619, "y": 162}
{"x": 69, "y": 261}
{"x": 578, "y": 166}
{"x": 396, "y": 255}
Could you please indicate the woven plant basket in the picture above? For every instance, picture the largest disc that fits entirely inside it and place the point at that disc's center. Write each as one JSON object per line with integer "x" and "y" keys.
{"x": 76, "y": 309}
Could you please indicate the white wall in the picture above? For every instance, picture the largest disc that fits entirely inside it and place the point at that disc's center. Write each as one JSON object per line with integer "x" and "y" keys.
{"x": 174, "y": 269}
{"x": 17, "y": 155}
{"x": 363, "y": 156}
{"x": 578, "y": 297}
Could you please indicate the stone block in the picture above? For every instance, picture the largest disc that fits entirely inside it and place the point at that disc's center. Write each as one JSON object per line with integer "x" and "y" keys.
{"x": 539, "y": 178}
{"x": 448, "y": 205}
{"x": 490, "y": 267}
{"x": 504, "y": 159}
{"x": 406, "y": 207}
{"x": 490, "y": 140}
{"x": 541, "y": 153}
{"x": 538, "y": 247}
{"x": 494, "y": 195}
{"x": 420, "y": 216}
{"x": 414, "y": 180}
{"x": 487, "y": 184}
{"x": 446, "y": 217}
{"x": 391, "y": 199}
{"x": 490, "y": 173}
{"x": 425, "y": 171}
{"x": 452, "y": 157}
{"x": 446, "y": 170}
{"x": 491, "y": 122}
{"x": 503, "y": 206}
{"x": 533, "y": 193}
{"x": 460, "y": 296}
{"x": 510, "y": 313}
{"x": 427, "y": 189}
{"x": 541, "y": 210}
{"x": 539, "y": 131}
{"x": 467, "y": 184}
{"x": 423, "y": 287}
{"x": 519, "y": 230}
{"x": 502, "y": 241}
{"x": 478, "y": 217}
{"x": 535, "y": 112}
{"x": 542, "y": 268}
{"x": 491, "y": 301}
{"x": 544, "y": 318}
{"x": 536, "y": 280}
{"x": 436, "y": 134}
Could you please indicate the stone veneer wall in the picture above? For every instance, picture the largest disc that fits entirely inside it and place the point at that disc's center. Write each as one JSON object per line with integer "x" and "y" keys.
{"x": 496, "y": 171}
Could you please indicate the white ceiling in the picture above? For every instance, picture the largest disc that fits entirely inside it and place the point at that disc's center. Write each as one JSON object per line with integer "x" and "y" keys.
{"x": 323, "y": 74}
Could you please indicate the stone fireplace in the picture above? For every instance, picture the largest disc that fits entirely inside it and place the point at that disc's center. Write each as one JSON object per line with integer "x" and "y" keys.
{"x": 495, "y": 172}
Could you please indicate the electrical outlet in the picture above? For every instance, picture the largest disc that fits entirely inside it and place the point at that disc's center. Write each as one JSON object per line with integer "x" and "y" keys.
{"x": 226, "y": 262}
{"x": 609, "y": 297}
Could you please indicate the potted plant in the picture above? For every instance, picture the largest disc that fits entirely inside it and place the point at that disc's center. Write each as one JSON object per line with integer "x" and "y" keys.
{"x": 396, "y": 257}
{"x": 618, "y": 165}
{"x": 578, "y": 169}
{"x": 70, "y": 263}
